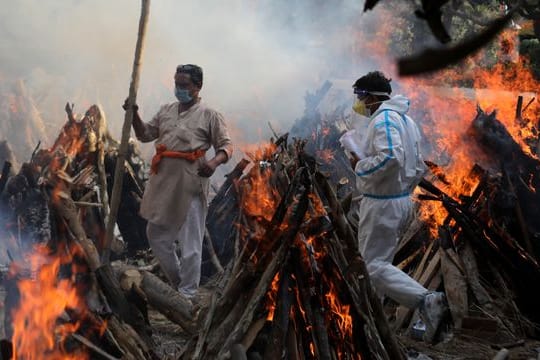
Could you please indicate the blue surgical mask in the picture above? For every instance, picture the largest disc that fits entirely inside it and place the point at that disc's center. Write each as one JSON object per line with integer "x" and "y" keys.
{"x": 182, "y": 95}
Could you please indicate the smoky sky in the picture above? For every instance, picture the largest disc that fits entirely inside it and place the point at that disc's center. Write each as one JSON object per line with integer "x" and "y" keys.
{"x": 260, "y": 57}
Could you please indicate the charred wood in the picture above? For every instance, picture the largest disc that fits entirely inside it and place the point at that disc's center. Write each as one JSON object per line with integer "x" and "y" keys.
{"x": 275, "y": 348}
{"x": 5, "y": 173}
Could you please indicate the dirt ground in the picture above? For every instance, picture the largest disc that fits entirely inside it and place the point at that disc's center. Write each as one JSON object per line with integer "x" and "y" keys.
{"x": 454, "y": 345}
{"x": 170, "y": 339}
{"x": 466, "y": 347}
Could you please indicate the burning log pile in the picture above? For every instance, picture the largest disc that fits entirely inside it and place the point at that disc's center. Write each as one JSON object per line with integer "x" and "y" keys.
{"x": 288, "y": 280}
{"x": 61, "y": 300}
{"x": 297, "y": 288}
{"x": 482, "y": 254}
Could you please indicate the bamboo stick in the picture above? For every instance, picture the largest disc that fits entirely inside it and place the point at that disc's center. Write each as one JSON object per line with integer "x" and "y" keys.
{"x": 126, "y": 130}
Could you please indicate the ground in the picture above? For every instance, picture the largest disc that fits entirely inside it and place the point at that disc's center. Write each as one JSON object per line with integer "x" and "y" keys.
{"x": 170, "y": 338}
{"x": 467, "y": 347}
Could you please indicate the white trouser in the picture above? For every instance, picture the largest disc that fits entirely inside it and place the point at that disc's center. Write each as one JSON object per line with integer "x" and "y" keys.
{"x": 183, "y": 273}
{"x": 380, "y": 224}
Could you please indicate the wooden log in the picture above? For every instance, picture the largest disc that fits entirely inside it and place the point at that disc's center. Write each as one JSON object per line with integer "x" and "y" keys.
{"x": 229, "y": 327}
{"x": 67, "y": 210}
{"x": 431, "y": 270}
{"x": 275, "y": 347}
{"x": 471, "y": 269}
{"x": 102, "y": 176}
{"x": 94, "y": 348}
{"x": 227, "y": 186}
{"x": 238, "y": 352}
{"x": 514, "y": 324}
{"x": 210, "y": 247}
{"x": 204, "y": 331}
{"x": 129, "y": 341}
{"x": 527, "y": 244}
{"x": 252, "y": 332}
{"x": 292, "y": 343}
{"x": 118, "y": 302}
{"x": 168, "y": 301}
{"x": 306, "y": 304}
{"x": 519, "y": 108}
{"x": 5, "y": 174}
{"x": 455, "y": 286}
{"x": 415, "y": 227}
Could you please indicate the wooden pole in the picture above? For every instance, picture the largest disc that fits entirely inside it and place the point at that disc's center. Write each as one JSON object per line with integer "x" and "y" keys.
{"x": 126, "y": 130}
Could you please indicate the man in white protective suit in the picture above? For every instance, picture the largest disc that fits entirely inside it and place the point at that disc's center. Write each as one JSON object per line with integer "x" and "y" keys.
{"x": 389, "y": 165}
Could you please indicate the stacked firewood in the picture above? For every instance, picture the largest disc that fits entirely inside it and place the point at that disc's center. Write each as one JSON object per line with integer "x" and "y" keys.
{"x": 58, "y": 203}
{"x": 485, "y": 253}
{"x": 297, "y": 287}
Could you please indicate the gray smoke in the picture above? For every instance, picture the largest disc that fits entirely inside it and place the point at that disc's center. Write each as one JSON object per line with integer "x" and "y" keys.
{"x": 259, "y": 57}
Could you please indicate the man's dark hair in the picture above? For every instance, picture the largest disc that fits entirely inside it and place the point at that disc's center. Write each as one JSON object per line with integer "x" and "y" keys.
{"x": 195, "y": 73}
{"x": 374, "y": 81}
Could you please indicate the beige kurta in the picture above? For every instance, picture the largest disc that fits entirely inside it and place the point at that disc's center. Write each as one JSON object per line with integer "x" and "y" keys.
{"x": 168, "y": 193}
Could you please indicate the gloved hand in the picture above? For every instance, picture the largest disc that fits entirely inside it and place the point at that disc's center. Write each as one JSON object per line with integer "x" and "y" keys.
{"x": 353, "y": 159}
{"x": 135, "y": 107}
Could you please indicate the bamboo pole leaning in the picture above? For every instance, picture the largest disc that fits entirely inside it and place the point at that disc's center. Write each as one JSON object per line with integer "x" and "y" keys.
{"x": 126, "y": 130}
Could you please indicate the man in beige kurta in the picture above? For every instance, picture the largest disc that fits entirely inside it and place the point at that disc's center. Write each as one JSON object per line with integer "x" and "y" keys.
{"x": 176, "y": 194}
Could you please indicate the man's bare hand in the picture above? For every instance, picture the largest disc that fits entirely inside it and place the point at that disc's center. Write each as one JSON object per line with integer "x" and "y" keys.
{"x": 208, "y": 168}
{"x": 135, "y": 107}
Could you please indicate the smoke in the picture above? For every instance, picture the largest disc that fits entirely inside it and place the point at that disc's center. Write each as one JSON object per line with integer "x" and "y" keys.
{"x": 259, "y": 57}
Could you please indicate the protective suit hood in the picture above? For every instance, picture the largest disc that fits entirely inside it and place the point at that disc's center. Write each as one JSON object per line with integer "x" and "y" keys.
{"x": 398, "y": 103}
{"x": 391, "y": 164}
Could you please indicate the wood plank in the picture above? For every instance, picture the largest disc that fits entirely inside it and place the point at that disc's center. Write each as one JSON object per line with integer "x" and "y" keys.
{"x": 403, "y": 314}
{"x": 455, "y": 286}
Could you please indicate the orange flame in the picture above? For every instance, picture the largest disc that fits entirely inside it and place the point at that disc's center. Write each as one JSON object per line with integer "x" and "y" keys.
{"x": 261, "y": 199}
{"x": 272, "y": 297}
{"x": 450, "y": 111}
{"x": 37, "y": 331}
{"x": 344, "y": 319}
{"x": 326, "y": 155}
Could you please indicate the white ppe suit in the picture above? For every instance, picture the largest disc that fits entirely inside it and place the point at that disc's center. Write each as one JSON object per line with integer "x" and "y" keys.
{"x": 387, "y": 173}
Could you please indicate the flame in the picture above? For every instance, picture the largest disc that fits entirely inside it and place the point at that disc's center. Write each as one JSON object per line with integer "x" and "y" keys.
{"x": 530, "y": 184}
{"x": 259, "y": 152}
{"x": 261, "y": 199}
{"x": 318, "y": 206}
{"x": 272, "y": 297}
{"x": 450, "y": 106}
{"x": 325, "y": 131}
{"x": 343, "y": 318}
{"x": 37, "y": 332}
{"x": 326, "y": 155}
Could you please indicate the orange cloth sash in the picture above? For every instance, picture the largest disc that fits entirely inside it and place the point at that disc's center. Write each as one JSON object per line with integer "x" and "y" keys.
{"x": 161, "y": 152}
